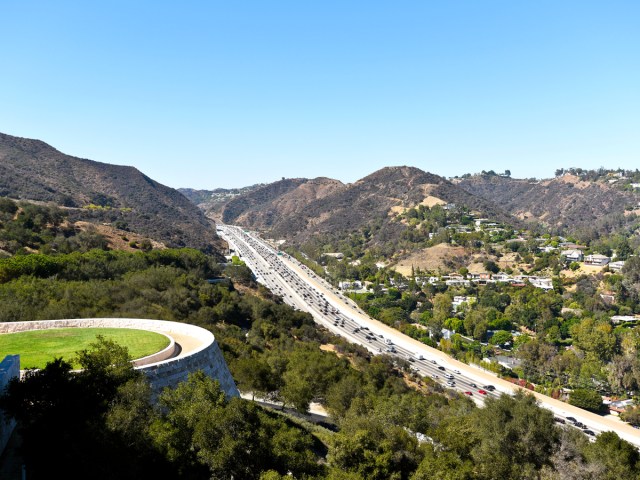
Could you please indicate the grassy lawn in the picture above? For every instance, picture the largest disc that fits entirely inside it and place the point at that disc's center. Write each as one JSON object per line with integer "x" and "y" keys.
{"x": 38, "y": 347}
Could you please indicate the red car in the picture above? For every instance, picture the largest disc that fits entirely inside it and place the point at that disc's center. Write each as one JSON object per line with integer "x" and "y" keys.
{"x": 468, "y": 393}
{"x": 482, "y": 392}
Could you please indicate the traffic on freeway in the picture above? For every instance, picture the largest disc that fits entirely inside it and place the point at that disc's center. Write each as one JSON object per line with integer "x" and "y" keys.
{"x": 306, "y": 291}
{"x": 271, "y": 270}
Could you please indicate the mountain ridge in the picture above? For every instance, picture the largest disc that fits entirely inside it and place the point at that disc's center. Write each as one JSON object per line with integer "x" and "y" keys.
{"x": 100, "y": 192}
{"x": 298, "y": 209}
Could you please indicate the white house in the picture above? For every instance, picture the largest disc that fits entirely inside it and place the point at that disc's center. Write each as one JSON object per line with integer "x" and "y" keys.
{"x": 458, "y": 300}
{"x": 616, "y": 266}
{"x": 501, "y": 277}
{"x": 572, "y": 255}
{"x": 541, "y": 282}
{"x": 596, "y": 259}
{"x": 623, "y": 318}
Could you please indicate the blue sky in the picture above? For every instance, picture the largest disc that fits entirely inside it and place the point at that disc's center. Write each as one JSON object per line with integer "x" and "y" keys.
{"x": 224, "y": 94}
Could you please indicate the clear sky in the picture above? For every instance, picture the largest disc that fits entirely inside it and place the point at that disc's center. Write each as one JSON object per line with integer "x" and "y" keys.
{"x": 230, "y": 93}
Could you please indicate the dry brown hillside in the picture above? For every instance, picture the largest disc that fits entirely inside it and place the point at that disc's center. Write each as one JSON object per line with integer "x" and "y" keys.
{"x": 33, "y": 170}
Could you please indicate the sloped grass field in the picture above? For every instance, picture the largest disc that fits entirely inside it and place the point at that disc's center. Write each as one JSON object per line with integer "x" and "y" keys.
{"x": 38, "y": 347}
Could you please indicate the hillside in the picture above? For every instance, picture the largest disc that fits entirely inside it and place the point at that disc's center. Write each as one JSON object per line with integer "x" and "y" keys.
{"x": 567, "y": 202}
{"x": 301, "y": 209}
{"x": 212, "y": 201}
{"x": 272, "y": 204}
{"x": 101, "y": 193}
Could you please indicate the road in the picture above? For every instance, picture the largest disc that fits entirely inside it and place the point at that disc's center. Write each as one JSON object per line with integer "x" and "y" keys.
{"x": 304, "y": 290}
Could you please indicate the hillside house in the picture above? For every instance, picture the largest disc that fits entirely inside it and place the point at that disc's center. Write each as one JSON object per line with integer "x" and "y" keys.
{"x": 616, "y": 266}
{"x": 457, "y": 282}
{"x": 353, "y": 285}
{"x": 596, "y": 260}
{"x": 619, "y": 406}
{"x": 459, "y": 300}
{"x": 572, "y": 255}
{"x": 541, "y": 282}
{"x": 623, "y": 319}
{"x": 501, "y": 277}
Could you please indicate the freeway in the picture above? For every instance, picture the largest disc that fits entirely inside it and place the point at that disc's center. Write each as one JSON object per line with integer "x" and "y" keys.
{"x": 304, "y": 290}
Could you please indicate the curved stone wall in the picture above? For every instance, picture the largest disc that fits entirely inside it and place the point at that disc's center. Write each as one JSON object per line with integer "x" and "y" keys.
{"x": 198, "y": 349}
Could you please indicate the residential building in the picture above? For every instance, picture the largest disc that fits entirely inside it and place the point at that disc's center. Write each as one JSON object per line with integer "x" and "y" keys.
{"x": 596, "y": 260}
{"x": 572, "y": 255}
{"x": 623, "y": 318}
{"x": 616, "y": 266}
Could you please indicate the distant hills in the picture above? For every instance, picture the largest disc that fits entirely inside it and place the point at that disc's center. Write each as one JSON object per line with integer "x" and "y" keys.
{"x": 300, "y": 208}
{"x": 210, "y": 201}
{"x": 103, "y": 193}
{"x": 567, "y": 203}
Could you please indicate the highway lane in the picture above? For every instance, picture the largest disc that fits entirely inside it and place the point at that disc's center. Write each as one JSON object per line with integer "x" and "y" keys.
{"x": 338, "y": 315}
{"x": 304, "y": 290}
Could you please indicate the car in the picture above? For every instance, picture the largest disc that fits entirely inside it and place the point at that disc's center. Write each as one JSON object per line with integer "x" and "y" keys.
{"x": 482, "y": 392}
{"x": 473, "y": 385}
{"x": 419, "y": 356}
{"x": 441, "y": 368}
{"x": 434, "y": 376}
{"x": 468, "y": 393}
{"x": 589, "y": 432}
{"x": 433, "y": 361}
{"x": 559, "y": 420}
{"x": 456, "y": 372}
{"x": 571, "y": 419}
{"x": 451, "y": 383}
{"x": 491, "y": 388}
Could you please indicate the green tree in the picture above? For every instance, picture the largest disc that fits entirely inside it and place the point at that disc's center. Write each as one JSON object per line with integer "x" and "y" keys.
{"x": 441, "y": 311}
{"x": 516, "y": 436}
{"x": 617, "y": 458}
{"x": 586, "y": 398}
{"x": 595, "y": 338}
{"x": 501, "y": 337}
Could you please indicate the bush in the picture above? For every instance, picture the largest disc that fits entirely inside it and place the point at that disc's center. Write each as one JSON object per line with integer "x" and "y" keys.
{"x": 587, "y": 399}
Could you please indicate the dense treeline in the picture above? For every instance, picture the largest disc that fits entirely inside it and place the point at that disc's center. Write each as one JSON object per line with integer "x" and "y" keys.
{"x": 390, "y": 424}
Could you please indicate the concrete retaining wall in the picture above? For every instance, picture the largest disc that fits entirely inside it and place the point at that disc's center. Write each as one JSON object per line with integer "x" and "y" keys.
{"x": 170, "y": 351}
{"x": 199, "y": 348}
{"x": 9, "y": 369}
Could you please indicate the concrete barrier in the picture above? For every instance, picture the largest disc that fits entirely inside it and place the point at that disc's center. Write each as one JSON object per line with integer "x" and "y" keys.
{"x": 199, "y": 349}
